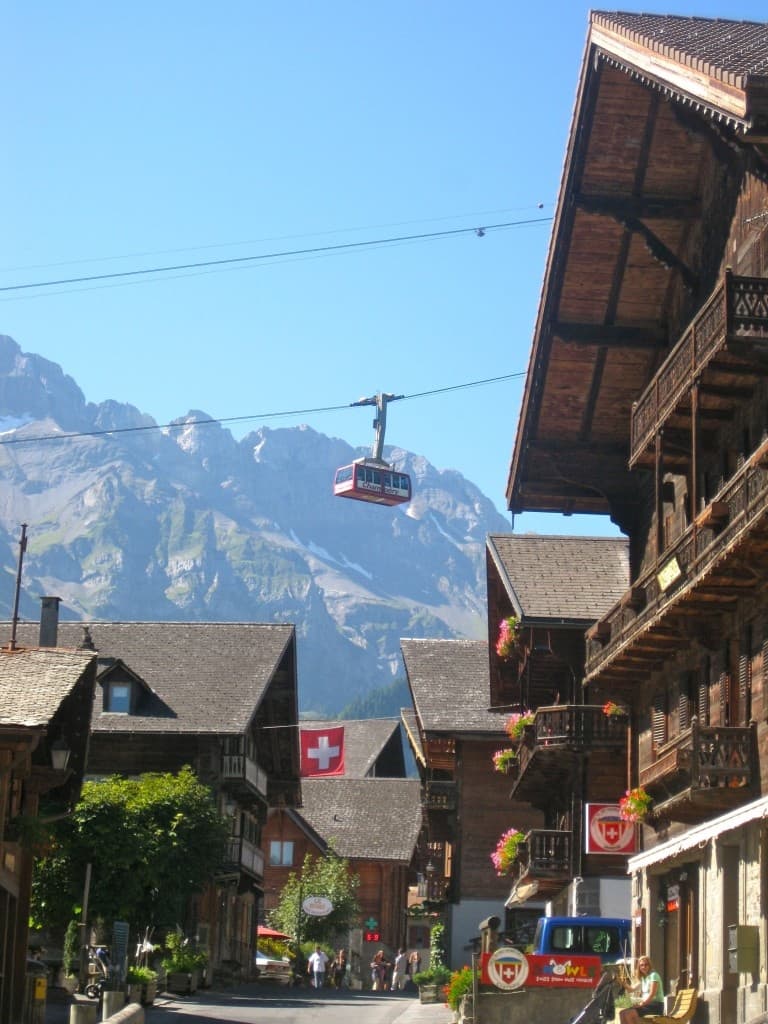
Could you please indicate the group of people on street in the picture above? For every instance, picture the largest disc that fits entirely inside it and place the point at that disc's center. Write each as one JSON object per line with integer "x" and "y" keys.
{"x": 319, "y": 965}
{"x": 403, "y": 966}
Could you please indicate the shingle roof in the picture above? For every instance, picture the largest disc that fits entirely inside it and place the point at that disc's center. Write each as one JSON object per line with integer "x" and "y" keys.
{"x": 366, "y": 819}
{"x": 450, "y": 684}
{"x": 207, "y": 677}
{"x": 573, "y": 579}
{"x": 34, "y": 683}
{"x": 727, "y": 50}
{"x": 364, "y": 740}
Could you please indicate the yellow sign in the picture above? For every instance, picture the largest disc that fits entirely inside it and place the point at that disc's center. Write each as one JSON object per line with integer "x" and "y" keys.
{"x": 41, "y": 986}
{"x": 669, "y": 573}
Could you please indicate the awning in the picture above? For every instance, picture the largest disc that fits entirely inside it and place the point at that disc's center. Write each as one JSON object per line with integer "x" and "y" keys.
{"x": 700, "y": 835}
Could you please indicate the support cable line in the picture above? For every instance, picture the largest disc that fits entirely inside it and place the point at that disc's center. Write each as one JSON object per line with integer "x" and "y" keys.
{"x": 183, "y": 424}
{"x": 260, "y": 257}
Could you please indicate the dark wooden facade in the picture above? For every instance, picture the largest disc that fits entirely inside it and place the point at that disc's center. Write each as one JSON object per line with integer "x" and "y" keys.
{"x": 45, "y": 701}
{"x": 647, "y": 401}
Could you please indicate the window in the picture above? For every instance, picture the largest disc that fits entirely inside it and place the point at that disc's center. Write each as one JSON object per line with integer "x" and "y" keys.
{"x": 119, "y": 698}
{"x": 280, "y": 854}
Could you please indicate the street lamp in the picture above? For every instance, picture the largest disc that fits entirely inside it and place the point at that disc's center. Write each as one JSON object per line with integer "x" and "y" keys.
{"x": 60, "y": 754}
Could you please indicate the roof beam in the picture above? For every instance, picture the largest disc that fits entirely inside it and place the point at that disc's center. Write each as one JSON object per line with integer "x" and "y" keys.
{"x": 609, "y": 334}
{"x": 639, "y": 207}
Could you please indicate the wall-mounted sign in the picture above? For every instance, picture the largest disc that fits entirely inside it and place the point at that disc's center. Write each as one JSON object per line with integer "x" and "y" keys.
{"x": 507, "y": 968}
{"x": 605, "y": 831}
{"x": 668, "y": 573}
{"x": 317, "y": 906}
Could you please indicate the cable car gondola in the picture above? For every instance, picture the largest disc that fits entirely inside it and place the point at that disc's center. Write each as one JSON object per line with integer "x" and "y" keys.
{"x": 373, "y": 479}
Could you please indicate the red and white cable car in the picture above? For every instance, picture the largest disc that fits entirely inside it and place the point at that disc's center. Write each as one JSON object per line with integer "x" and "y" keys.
{"x": 373, "y": 479}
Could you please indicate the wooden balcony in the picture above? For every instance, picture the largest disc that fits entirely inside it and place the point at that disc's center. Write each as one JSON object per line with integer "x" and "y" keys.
{"x": 244, "y": 778}
{"x": 701, "y": 574}
{"x": 705, "y": 770}
{"x": 553, "y": 747}
{"x": 717, "y": 344}
{"x": 243, "y": 855}
{"x": 543, "y": 861}
{"x": 440, "y": 796}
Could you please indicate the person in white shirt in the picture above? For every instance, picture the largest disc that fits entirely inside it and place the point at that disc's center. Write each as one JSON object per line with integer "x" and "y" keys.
{"x": 398, "y": 974}
{"x": 316, "y": 967}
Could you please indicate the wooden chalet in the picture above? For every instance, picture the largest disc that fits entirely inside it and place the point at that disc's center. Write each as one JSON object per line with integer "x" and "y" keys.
{"x": 647, "y": 401}
{"x": 454, "y": 733}
{"x": 555, "y": 588}
{"x": 371, "y": 816}
{"x": 220, "y": 697}
{"x": 46, "y": 698}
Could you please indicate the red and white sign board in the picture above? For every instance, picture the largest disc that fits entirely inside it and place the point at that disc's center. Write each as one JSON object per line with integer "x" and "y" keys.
{"x": 605, "y": 831}
{"x": 510, "y": 969}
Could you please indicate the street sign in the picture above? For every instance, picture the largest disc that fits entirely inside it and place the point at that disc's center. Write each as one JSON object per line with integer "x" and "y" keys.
{"x": 317, "y": 906}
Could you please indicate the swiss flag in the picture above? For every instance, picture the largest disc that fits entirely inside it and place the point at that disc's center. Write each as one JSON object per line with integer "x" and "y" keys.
{"x": 322, "y": 752}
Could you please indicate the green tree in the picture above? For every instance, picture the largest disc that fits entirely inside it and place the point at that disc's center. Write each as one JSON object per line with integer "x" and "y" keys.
{"x": 328, "y": 876}
{"x": 152, "y": 841}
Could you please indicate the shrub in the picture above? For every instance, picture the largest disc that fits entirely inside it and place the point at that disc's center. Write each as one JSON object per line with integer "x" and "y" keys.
{"x": 459, "y": 986}
{"x": 432, "y": 976}
{"x": 140, "y": 975}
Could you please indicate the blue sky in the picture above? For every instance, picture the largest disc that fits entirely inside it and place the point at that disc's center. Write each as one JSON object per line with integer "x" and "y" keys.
{"x": 152, "y": 134}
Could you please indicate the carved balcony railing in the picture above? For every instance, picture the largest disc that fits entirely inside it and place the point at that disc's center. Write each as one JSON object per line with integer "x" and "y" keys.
{"x": 551, "y": 748}
{"x": 705, "y": 769}
{"x": 737, "y": 311}
{"x": 704, "y": 551}
{"x": 244, "y": 855}
{"x": 543, "y": 861}
{"x": 243, "y": 777}
{"x": 440, "y": 796}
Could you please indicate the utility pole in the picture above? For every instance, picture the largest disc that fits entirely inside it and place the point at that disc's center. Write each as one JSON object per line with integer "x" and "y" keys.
{"x": 15, "y": 618}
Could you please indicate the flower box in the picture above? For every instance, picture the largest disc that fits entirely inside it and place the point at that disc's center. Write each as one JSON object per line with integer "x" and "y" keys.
{"x": 182, "y": 982}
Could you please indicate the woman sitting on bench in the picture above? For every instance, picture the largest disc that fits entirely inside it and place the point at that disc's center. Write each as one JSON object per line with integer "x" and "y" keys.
{"x": 648, "y": 992}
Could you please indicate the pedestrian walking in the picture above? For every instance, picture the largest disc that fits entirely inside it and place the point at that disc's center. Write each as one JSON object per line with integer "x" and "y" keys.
{"x": 316, "y": 967}
{"x": 399, "y": 977}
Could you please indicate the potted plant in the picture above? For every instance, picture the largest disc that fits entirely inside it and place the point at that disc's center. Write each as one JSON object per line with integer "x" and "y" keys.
{"x": 183, "y": 965}
{"x": 517, "y": 723}
{"x": 613, "y": 710}
{"x": 459, "y": 986}
{"x": 508, "y": 639}
{"x": 504, "y": 760}
{"x": 142, "y": 985}
{"x": 430, "y": 981}
{"x": 506, "y": 850}
{"x": 635, "y": 805}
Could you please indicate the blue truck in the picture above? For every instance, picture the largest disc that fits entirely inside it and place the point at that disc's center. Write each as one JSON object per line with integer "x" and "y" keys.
{"x": 606, "y": 937}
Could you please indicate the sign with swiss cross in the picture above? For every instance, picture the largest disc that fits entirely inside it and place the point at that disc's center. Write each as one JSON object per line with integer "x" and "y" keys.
{"x": 322, "y": 752}
{"x": 606, "y": 832}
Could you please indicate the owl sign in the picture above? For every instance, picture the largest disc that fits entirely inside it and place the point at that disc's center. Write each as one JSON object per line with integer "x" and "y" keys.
{"x": 606, "y": 832}
{"x": 507, "y": 968}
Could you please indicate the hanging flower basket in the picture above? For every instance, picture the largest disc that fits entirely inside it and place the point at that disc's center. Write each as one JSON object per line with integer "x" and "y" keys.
{"x": 504, "y": 855}
{"x": 504, "y": 760}
{"x": 508, "y": 639}
{"x": 613, "y": 710}
{"x": 516, "y": 723}
{"x": 635, "y": 805}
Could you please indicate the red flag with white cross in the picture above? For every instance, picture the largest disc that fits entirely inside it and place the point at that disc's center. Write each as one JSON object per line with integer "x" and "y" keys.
{"x": 322, "y": 752}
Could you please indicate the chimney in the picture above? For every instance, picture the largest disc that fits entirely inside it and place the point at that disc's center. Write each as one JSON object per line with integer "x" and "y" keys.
{"x": 49, "y": 621}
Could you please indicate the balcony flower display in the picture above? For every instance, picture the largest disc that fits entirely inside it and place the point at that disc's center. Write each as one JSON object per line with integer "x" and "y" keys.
{"x": 635, "y": 805}
{"x": 516, "y": 723}
{"x": 506, "y": 850}
{"x": 613, "y": 710}
{"x": 509, "y": 636}
{"x": 504, "y": 759}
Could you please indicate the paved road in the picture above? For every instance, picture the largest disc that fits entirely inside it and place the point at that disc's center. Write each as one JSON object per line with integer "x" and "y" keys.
{"x": 266, "y": 1004}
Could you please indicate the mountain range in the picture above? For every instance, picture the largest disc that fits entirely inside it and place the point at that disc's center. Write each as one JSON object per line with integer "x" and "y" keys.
{"x": 131, "y": 521}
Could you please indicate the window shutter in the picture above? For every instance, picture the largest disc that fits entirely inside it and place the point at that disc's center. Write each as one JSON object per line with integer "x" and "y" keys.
{"x": 702, "y": 701}
{"x": 685, "y": 700}
{"x": 745, "y": 674}
{"x": 722, "y": 696}
{"x": 659, "y": 719}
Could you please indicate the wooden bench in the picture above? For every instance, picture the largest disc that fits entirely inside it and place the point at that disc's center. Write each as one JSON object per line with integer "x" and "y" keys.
{"x": 682, "y": 1010}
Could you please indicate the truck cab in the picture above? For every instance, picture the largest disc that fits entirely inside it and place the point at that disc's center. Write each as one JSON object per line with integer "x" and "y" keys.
{"x": 606, "y": 937}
